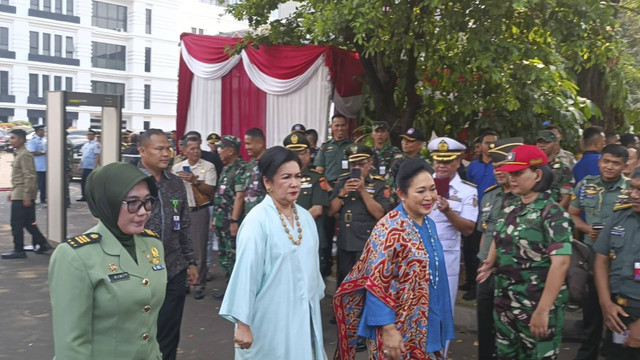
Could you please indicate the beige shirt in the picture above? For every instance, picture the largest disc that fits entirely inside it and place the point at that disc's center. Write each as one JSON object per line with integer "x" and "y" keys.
{"x": 203, "y": 170}
{"x": 23, "y": 176}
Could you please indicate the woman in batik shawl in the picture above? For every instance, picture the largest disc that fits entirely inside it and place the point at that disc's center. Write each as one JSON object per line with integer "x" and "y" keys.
{"x": 397, "y": 294}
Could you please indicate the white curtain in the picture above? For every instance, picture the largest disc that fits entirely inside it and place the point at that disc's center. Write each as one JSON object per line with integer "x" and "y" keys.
{"x": 348, "y": 106}
{"x": 274, "y": 86}
{"x": 208, "y": 71}
{"x": 205, "y": 109}
{"x": 308, "y": 106}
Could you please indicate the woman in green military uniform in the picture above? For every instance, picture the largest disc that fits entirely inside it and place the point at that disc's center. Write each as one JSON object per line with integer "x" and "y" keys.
{"x": 531, "y": 253}
{"x": 107, "y": 285}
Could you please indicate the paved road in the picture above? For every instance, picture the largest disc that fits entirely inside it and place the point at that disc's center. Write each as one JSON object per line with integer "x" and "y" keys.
{"x": 25, "y": 311}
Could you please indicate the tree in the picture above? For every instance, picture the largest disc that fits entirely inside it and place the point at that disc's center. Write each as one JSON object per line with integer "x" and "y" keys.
{"x": 444, "y": 65}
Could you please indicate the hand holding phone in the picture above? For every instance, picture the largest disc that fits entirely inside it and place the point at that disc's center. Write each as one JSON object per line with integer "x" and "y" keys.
{"x": 187, "y": 169}
{"x": 355, "y": 173}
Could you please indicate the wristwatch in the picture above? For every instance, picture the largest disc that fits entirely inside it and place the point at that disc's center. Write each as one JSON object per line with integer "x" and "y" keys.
{"x": 193, "y": 262}
{"x": 198, "y": 183}
{"x": 234, "y": 221}
{"x": 343, "y": 196}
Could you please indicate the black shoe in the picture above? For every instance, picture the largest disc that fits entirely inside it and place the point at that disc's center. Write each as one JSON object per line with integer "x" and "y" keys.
{"x": 43, "y": 249}
{"x": 14, "y": 255}
{"x": 219, "y": 296}
{"x": 198, "y": 294}
{"x": 470, "y": 295}
{"x": 465, "y": 287}
{"x": 361, "y": 346}
{"x": 81, "y": 199}
{"x": 333, "y": 320}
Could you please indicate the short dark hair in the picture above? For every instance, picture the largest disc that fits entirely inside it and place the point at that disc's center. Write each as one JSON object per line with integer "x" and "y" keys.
{"x": 193, "y": 133}
{"x": 591, "y": 134}
{"x": 134, "y": 139}
{"x": 610, "y": 134}
{"x": 189, "y": 139}
{"x": 255, "y": 133}
{"x": 313, "y": 134}
{"x": 338, "y": 115}
{"x": 628, "y": 139}
{"x": 617, "y": 151}
{"x": 635, "y": 173}
{"x": 552, "y": 127}
{"x": 488, "y": 132}
{"x": 146, "y": 136}
{"x": 272, "y": 159}
{"x": 19, "y": 133}
{"x": 408, "y": 170}
{"x": 547, "y": 178}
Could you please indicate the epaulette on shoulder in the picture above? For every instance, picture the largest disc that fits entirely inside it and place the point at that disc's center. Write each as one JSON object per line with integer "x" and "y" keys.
{"x": 378, "y": 177}
{"x": 316, "y": 171}
{"x": 469, "y": 183}
{"x": 490, "y": 188}
{"x": 622, "y": 207}
{"x": 84, "y": 239}
{"x": 148, "y": 232}
{"x": 326, "y": 142}
{"x": 344, "y": 175}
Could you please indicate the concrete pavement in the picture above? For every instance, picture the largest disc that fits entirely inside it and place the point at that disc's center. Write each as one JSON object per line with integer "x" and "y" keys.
{"x": 25, "y": 310}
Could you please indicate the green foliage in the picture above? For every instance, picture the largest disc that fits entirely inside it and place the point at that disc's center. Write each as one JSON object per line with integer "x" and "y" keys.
{"x": 444, "y": 65}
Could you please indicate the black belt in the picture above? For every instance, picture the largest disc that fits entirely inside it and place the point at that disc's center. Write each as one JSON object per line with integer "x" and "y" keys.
{"x": 626, "y": 302}
{"x": 196, "y": 208}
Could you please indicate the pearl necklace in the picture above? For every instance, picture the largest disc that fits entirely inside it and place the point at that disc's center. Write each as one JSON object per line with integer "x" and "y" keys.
{"x": 286, "y": 228}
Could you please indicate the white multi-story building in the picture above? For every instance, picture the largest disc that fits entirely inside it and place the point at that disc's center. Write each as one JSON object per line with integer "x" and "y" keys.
{"x": 125, "y": 47}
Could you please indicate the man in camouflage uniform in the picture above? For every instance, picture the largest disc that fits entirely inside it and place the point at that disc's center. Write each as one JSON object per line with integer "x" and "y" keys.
{"x": 383, "y": 152}
{"x": 490, "y": 212}
{"x": 616, "y": 276}
{"x": 227, "y": 204}
{"x": 566, "y": 157}
{"x": 594, "y": 198}
{"x": 313, "y": 193}
{"x": 533, "y": 242}
{"x": 254, "y": 193}
{"x": 360, "y": 203}
{"x": 562, "y": 185}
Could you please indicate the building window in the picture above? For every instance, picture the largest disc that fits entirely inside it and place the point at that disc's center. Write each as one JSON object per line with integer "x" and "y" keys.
{"x": 35, "y": 4}
{"x": 58, "y": 46}
{"x": 194, "y": 30}
{"x": 109, "y": 56}
{"x": 109, "y": 16}
{"x": 47, "y": 5}
{"x": 45, "y": 84}
{"x": 34, "y": 120}
{"x": 147, "y": 21}
{"x": 147, "y": 59}
{"x": 33, "y": 85}
{"x": 4, "y": 119}
{"x": 33, "y": 42}
{"x": 69, "y": 48}
{"x": 108, "y": 88}
{"x": 69, "y": 7}
{"x": 59, "y": 6}
{"x": 4, "y": 83}
{"x": 201, "y": 31}
{"x": 46, "y": 44}
{"x": 57, "y": 83}
{"x": 4, "y": 38}
{"x": 147, "y": 97}
{"x": 68, "y": 86}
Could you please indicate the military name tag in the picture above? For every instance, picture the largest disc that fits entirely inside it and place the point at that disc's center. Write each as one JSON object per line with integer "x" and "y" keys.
{"x": 306, "y": 186}
{"x": 158, "y": 267}
{"x": 383, "y": 170}
{"x": 119, "y": 277}
{"x": 345, "y": 164}
{"x": 455, "y": 198}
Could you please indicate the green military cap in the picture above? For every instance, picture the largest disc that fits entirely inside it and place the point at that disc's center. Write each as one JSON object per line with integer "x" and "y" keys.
{"x": 547, "y": 136}
{"x": 229, "y": 141}
{"x": 358, "y": 152}
{"x": 501, "y": 148}
{"x": 213, "y": 138}
{"x": 380, "y": 125}
{"x": 296, "y": 142}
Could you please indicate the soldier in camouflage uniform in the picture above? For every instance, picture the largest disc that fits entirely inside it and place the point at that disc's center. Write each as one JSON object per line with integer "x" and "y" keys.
{"x": 383, "y": 152}
{"x": 593, "y": 200}
{"x": 227, "y": 204}
{"x": 562, "y": 185}
{"x": 491, "y": 207}
{"x": 531, "y": 251}
{"x": 253, "y": 193}
{"x": 617, "y": 279}
{"x": 313, "y": 194}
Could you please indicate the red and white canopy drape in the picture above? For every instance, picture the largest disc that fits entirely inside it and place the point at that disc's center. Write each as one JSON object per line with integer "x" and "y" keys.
{"x": 271, "y": 88}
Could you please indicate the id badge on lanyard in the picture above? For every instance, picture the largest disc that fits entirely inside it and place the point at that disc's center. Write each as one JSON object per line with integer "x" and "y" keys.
{"x": 176, "y": 216}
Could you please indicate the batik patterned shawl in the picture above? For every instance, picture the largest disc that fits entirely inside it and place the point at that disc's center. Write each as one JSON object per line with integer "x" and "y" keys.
{"x": 395, "y": 268}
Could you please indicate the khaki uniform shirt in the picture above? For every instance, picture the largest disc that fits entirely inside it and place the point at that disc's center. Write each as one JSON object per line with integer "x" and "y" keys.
{"x": 23, "y": 176}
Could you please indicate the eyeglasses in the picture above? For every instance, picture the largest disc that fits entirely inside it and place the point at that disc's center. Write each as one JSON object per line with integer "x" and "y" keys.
{"x": 133, "y": 206}
{"x": 360, "y": 164}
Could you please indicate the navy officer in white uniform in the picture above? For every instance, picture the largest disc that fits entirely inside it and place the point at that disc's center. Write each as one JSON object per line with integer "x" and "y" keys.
{"x": 457, "y": 208}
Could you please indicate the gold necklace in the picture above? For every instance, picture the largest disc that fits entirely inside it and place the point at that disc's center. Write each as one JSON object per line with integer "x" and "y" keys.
{"x": 286, "y": 228}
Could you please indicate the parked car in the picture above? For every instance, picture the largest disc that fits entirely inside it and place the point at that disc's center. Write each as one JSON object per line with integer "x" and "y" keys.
{"x": 4, "y": 140}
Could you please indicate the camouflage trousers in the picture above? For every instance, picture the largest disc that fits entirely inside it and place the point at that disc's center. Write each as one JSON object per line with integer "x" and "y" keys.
{"x": 513, "y": 336}
{"x": 227, "y": 248}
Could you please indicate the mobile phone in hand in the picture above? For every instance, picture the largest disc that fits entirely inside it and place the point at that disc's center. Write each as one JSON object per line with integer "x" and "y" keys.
{"x": 355, "y": 173}
{"x": 597, "y": 226}
{"x": 187, "y": 169}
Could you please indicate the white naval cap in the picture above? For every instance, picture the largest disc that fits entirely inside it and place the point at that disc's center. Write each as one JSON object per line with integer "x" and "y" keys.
{"x": 445, "y": 149}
